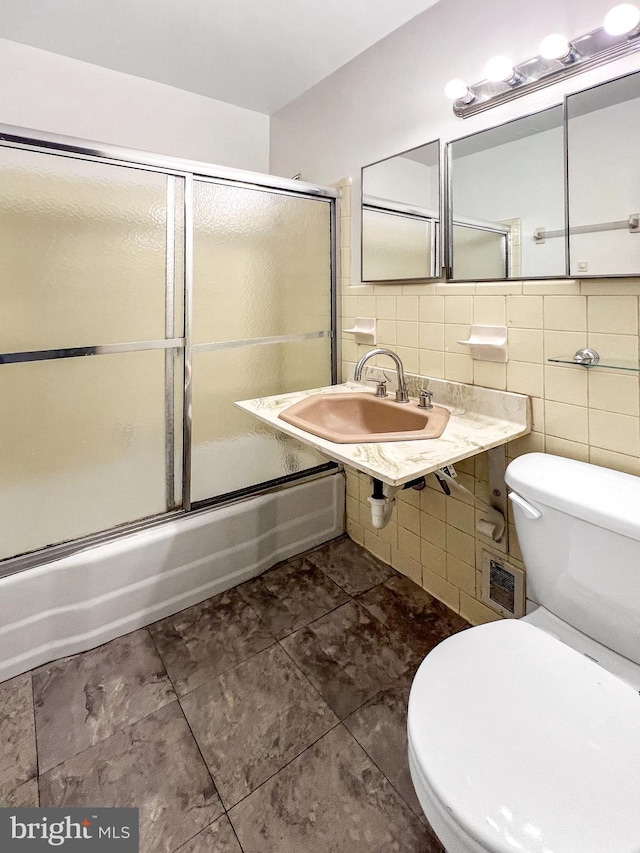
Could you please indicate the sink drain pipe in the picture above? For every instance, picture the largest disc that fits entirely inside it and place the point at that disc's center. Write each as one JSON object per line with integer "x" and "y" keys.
{"x": 383, "y": 500}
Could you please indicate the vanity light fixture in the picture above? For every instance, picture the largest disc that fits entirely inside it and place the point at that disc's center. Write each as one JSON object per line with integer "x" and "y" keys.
{"x": 499, "y": 69}
{"x": 558, "y": 58}
{"x": 458, "y": 90}
{"x": 622, "y": 20}
{"x": 558, "y": 47}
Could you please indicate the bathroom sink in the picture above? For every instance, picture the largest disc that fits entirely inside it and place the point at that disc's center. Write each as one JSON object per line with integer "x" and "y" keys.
{"x": 358, "y": 417}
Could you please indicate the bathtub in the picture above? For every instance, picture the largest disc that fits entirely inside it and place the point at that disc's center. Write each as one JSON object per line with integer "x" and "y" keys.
{"x": 83, "y": 600}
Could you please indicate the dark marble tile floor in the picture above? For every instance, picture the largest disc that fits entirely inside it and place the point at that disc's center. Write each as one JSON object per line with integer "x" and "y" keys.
{"x": 268, "y": 719}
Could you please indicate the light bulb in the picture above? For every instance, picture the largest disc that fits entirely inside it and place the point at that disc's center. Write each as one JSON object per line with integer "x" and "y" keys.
{"x": 555, "y": 46}
{"x": 498, "y": 69}
{"x": 456, "y": 89}
{"x": 622, "y": 19}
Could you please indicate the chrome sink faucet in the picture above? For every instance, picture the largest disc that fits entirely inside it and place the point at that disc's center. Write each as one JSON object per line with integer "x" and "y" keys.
{"x": 402, "y": 395}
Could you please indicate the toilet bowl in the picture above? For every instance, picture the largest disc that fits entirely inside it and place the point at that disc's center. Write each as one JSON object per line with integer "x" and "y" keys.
{"x": 524, "y": 735}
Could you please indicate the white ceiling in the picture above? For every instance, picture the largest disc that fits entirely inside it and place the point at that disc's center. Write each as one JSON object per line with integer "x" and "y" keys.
{"x": 258, "y": 54}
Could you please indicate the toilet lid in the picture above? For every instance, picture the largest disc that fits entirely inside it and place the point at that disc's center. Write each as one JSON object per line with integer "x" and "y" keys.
{"x": 530, "y": 745}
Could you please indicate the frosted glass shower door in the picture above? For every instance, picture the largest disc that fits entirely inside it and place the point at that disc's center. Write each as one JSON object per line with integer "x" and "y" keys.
{"x": 91, "y": 347}
{"x": 262, "y": 318}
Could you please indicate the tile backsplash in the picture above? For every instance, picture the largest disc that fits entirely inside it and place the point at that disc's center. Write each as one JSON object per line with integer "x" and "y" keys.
{"x": 588, "y": 414}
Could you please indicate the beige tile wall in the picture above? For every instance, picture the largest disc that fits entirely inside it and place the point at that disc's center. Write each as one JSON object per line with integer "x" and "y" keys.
{"x": 592, "y": 415}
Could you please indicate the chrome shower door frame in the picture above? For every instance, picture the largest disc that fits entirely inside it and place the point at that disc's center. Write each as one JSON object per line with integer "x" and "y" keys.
{"x": 176, "y": 171}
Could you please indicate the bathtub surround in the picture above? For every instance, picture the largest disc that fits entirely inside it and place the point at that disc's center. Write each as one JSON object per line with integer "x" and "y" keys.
{"x": 590, "y": 415}
{"x": 329, "y": 671}
{"x": 93, "y": 596}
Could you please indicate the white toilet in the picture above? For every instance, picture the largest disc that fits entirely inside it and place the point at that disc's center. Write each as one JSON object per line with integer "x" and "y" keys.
{"x": 524, "y": 735}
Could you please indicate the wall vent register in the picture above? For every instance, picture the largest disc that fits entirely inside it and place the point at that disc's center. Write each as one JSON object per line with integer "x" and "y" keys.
{"x": 502, "y": 585}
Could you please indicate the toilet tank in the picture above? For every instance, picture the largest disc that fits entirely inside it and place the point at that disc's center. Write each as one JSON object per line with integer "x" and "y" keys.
{"x": 582, "y": 552}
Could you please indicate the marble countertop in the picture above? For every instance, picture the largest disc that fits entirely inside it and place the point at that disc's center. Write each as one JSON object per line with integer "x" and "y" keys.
{"x": 481, "y": 418}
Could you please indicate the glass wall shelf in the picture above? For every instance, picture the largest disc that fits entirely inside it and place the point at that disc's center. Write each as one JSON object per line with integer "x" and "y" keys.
{"x": 608, "y": 364}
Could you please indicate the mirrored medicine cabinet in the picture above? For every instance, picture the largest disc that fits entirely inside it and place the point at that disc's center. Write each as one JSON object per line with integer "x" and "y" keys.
{"x": 401, "y": 216}
{"x": 548, "y": 195}
{"x": 603, "y": 129}
{"x": 503, "y": 182}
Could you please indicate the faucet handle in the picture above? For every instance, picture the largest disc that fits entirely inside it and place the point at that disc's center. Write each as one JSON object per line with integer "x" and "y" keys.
{"x": 381, "y": 387}
{"x": 426, "y": 400}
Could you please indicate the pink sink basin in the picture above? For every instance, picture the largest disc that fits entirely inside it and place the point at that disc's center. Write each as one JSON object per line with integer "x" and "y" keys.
{"x": 355, "y": 418}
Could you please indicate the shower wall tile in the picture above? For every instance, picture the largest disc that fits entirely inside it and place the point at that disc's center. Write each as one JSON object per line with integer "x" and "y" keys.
{"x": 86, "y": 698}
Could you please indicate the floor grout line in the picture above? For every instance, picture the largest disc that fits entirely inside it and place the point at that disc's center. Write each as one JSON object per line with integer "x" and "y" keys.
{"x": 340, "y": 721}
